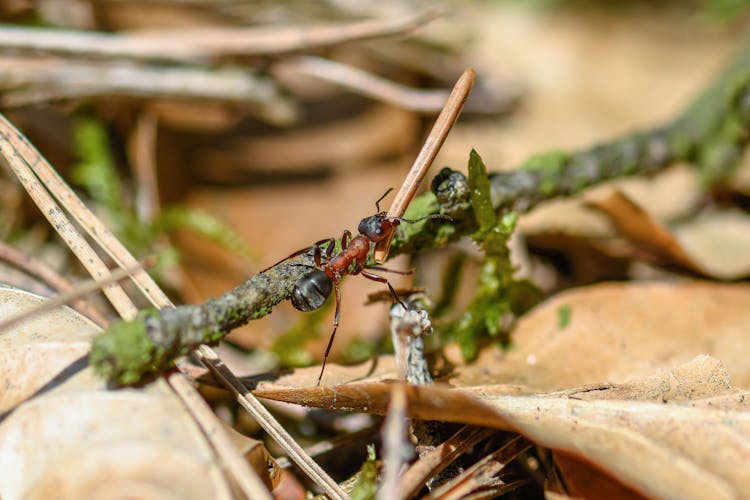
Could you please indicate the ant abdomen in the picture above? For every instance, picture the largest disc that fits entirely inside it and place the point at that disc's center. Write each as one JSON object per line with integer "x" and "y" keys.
{"x": 311, "y": 291}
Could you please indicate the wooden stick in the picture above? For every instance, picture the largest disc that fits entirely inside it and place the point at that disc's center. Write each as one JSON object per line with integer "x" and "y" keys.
{"x": 427, "y": 154}
{"x": 200, "y": 44}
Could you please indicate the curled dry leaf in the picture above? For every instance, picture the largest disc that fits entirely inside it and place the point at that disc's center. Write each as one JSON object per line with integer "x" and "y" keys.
{"x": 684, "y": 433}
{"x": 714, "y": 244}
{"x": 613, "y": 331}
{"x": 623, "y": 383}
{"x": 719, "y": 241}
{"x": 637, "y": 226}
{"x": 64, "y": 435}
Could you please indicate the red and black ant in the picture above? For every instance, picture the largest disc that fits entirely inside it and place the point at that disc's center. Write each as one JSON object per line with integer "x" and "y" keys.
{"x": 312, "y": 290}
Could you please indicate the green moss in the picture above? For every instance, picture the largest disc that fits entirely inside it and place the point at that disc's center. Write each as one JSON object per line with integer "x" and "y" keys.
{"x": 419, "y": 207}
{"x": 262, "y": 312}
{"x": 491, "y": 307}
{"x": 550, "y": 166}
{"x": 366, "y": 484}
{"x": 124, "y": 353}
{"x": 479, "y": 186}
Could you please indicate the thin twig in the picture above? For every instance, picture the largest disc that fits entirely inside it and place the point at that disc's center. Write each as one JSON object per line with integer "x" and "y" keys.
{"x": 397, "y": 449}
{"x": 25, "y": 161}
{"x": 367, "y": 84}
{"x": 271, "y": 426}
{"x": 199, "y": 44}
{"x": 483, "y": 471}
{"x": 42, "y": 271}
{"x": 31, "y": 168}
{"x": 81, "y": 290}
{"x": 440, "y": 457}
{"x": 427, "y": 154}
{"x": 246, "y": 477}
{"x": 142, "y": 153}
{"x": 327, "y": 445}
{"x": 32, "y": 80}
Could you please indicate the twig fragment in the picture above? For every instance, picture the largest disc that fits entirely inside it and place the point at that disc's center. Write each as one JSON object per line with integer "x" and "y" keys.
{"x": 407, "y": 327}
{"x": 37, "y": 175}
{"x": 27, "y": 81}
{"x": 40, "y": 270}
{"x": 397, "y": 449}
{"x": 484, "y": 472}
{"x": 440, "y": 457}
{"x": 427, "y": 154}
{"x": 368, "y": 84}
{"x": 200, "y": 44}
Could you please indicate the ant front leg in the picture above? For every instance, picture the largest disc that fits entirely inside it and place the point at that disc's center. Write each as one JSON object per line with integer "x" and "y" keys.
{"x": 318, "y": 253}
{"x": 336, "y": 317}
{"x": 345, "y": 239}
{"x": 381, "y": 279}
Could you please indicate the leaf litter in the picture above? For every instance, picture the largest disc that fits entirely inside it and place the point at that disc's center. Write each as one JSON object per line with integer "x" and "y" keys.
{"x": 643, "y": 393}
{"x": 64, "y": 434}
{"x": 635, "y": 378}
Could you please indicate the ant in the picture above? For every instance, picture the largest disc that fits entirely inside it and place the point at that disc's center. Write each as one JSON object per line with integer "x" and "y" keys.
{"x": 312, "y": 290}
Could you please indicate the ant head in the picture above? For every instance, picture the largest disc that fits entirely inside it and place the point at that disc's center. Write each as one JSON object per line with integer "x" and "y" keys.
{"x": 377, "y": 226}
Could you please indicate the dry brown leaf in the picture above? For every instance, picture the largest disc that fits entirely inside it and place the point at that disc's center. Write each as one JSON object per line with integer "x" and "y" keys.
{"x": 671, "y": 442}
{"x": 637, "y": 226}
{"x": 64, "y": 435}
{"x": 582, "y": 480}
{"x": 618, "y": 330}
{"x": 719, "y": 241}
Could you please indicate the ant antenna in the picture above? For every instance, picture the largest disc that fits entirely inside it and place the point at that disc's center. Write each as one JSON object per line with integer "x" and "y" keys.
{"x": 377, "y": 203}
{"x": 432, "y": 216}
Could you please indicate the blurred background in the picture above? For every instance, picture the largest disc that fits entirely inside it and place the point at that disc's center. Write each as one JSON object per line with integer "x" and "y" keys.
{"x": 224, "y": 135}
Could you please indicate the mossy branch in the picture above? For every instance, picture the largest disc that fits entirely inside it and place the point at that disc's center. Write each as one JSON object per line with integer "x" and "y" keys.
{"x": 711, "y": 134}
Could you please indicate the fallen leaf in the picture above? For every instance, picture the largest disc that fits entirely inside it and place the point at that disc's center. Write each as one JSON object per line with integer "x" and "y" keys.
{"x": 675, "y": 444}
{"x": 619, "y": 330}
{"x": 638, "y": 227}
{"x": 63, "y": 434}
{"x": 719, "y": 241}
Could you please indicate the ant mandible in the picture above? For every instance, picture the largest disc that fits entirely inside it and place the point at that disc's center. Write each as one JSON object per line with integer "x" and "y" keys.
{"x": 312, "y": 290}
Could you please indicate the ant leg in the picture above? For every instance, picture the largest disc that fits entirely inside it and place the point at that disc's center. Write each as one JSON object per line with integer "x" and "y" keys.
{"x": 316, "y": 256}
{"x": 386, "y": 270}
{"x": 381, "y": 279}
{"x": 336, "y": 317}
{"x": 298, "y": 252}
{"x": 330, "y": 242}
{"x": 345, "y": 239}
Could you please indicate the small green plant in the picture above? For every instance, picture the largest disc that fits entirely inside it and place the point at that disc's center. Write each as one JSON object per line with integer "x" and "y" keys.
{"x": 496, "y": 301}
{"x": 366, "y": 484}
{"x": 96, "y": 173}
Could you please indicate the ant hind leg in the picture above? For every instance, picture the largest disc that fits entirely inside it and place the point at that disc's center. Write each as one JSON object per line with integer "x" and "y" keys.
{"x": 381, "y": 279}
{"x": 336, "y": 317}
